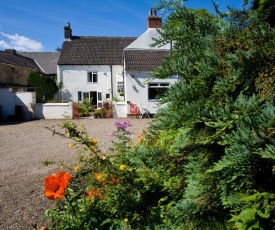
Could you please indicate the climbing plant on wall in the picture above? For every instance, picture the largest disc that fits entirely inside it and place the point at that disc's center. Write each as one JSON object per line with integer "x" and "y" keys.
{"x": 46, "y": 87}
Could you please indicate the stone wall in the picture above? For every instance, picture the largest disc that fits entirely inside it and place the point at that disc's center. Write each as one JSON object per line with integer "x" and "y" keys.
{"x": 14, "y": 75}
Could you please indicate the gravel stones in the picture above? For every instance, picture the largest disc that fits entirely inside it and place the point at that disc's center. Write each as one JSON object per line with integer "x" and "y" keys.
{"x": 24, "y": 147}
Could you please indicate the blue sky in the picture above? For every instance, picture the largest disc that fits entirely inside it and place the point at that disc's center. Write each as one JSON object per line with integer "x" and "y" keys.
{"x": 37, "y": 25}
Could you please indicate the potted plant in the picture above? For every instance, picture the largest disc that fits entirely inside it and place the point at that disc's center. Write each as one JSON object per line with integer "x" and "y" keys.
{"x": 121, "y": 93}
{"x": 115, "y": 100}
{"x": 109, "y": 113}
{"x": 100, "y": 113}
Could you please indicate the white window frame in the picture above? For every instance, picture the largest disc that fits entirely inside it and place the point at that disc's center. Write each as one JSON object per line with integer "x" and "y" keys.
{"x": 157, "y": 85}
{"x": 99, "y": 98}
{"x": 92, "y": 77}
{"x": 83, "y": 95}
{"x": 107, "y": 96}
{"x": 80, "y": 96}
{"x": 120, "y": 83}
{"x": 87, "y": 95}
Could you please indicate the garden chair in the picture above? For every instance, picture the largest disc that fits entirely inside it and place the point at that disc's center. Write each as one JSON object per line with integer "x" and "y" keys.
{"x": 143, "y": 111}
{"x": 134, "y": 110}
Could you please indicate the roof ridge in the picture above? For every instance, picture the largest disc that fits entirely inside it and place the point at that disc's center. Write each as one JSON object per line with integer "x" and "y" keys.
{"x": 38, "y": 52}
{"x": 147, "y": 49}
{"x": 103, "y": 37}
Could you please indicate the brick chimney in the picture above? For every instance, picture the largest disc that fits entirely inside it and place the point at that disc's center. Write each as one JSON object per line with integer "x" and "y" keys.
{"x": 10, "y": 51}
{"x": 67, "y": 32}
{"x": 153, "y": 20}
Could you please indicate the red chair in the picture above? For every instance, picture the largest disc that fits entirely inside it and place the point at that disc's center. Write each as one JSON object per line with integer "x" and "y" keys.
{"x": 134, "y": 110}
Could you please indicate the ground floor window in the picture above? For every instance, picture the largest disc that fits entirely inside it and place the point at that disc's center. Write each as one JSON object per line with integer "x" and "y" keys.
{"x": 86, "y": 95}
{"x": 79, "y": 95}
{"x": 94, "y": 96}
{"x": 120, "y": 87}
{"x": 156, "y": 90}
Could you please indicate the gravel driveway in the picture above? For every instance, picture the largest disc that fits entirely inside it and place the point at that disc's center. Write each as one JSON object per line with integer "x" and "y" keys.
{"x": 23, "y": 148}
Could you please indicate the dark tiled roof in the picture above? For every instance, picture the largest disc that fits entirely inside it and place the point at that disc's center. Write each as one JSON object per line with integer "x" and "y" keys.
{"x": 144, "y": 59}
{"x": 94, "y": 50}
{"x": 13, "y": 58}
{"x": 47, "y": 61}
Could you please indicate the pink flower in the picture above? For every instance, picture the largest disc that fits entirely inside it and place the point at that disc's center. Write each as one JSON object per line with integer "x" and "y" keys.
{"x": 111, "y": 134}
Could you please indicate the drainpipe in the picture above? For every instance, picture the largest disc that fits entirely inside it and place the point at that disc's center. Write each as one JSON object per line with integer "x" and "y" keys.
{"x": 111, "y": 68}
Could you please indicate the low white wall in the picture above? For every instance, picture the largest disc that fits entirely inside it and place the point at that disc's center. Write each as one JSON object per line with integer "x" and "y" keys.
{"x": 9, "y": 100}
{"x": 53, "y": 110}
{"x": 121, "y": 109}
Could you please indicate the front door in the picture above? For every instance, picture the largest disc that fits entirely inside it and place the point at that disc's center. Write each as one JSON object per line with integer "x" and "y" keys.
{"x": 96, "y": 97}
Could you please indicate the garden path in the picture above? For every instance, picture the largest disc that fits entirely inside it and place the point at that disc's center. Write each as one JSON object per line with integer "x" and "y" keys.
{"x": 23, "y": 148}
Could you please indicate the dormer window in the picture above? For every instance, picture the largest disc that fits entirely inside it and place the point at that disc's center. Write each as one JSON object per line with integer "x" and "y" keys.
{"x": 92, "y": 77}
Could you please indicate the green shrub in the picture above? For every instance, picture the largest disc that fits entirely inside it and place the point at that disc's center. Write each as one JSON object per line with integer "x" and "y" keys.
{"x": 46, "y": 87}
{"x": 208, "y": 159}
{"x": 85, "y": 108}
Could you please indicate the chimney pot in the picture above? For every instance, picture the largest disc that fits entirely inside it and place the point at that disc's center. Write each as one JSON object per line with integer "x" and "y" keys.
{"x": 67, "y": 32}
{"x": 153, "y": 20}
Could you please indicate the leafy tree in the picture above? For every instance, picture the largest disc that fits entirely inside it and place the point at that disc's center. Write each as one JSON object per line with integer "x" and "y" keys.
{"x": 59, "y": 48}
{"x": 220, "y": 118}
{"x": 46, "y": 87}
{"x": 265, "y": 8}
{"x": 208, "y": 159}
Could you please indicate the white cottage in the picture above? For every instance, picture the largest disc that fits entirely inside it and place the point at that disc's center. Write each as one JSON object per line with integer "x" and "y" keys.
{"x": 101, "y": 68}
{"x": 140, "y": 59}
{"x": 91, "y": 67}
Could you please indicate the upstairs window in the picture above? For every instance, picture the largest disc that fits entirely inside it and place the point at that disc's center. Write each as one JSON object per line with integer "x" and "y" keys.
{"x": 92, "y": 77}
{"x": 120, "y": 87}
{"x": 156, "y": 90}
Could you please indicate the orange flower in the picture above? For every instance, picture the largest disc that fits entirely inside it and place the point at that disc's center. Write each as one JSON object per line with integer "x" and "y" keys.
{"x": 56, "y": 184}
{"x": 93, "y": 192}
{"x": 103, "y": 182}
{"x": 92, "y": 197}
{"x": 97, "y": 176}
{"x": 114, "y": 181}
{"x": 101, "y": 196}
{"x": 139, "y": 137}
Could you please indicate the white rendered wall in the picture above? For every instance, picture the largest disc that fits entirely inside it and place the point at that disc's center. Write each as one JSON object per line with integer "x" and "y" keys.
{"x": 27, "y": 100}
{"x": 9, "y": 99}
{"x": 53, "y": 110}
{"x": 74, "y": 78}
{"x": 137, "y": 88}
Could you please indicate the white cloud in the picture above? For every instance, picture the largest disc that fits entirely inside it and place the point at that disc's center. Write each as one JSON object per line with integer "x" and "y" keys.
{"x": 20, "y": 43}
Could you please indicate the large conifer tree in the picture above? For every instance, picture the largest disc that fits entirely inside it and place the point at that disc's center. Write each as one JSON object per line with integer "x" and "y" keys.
{"x": 220, "y": 118}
